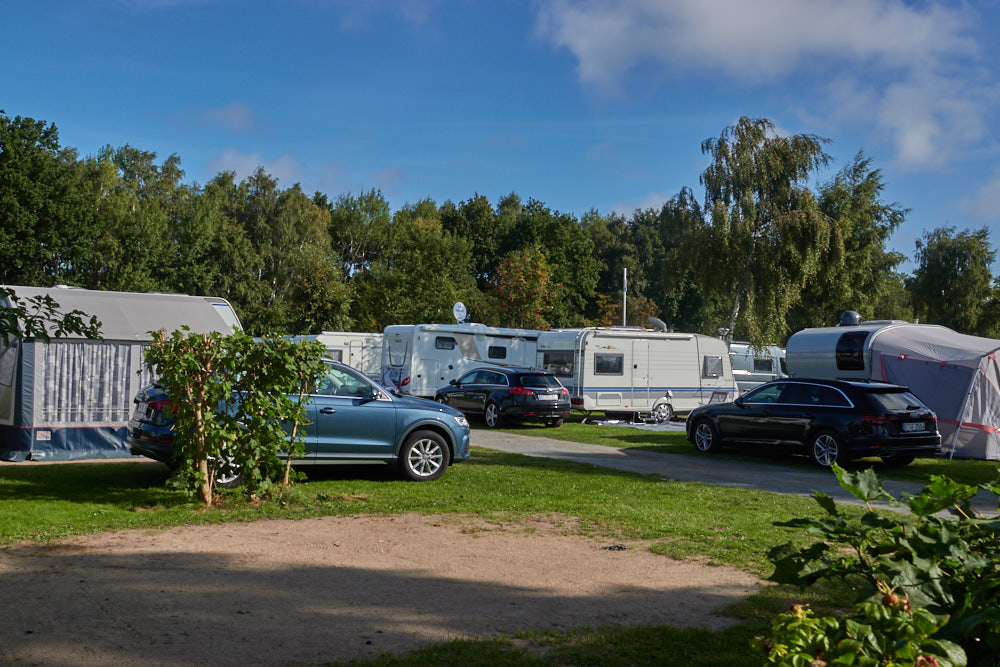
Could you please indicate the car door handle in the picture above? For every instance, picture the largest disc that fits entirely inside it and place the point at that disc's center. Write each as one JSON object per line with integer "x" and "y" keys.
{"x": 327, "y": 411}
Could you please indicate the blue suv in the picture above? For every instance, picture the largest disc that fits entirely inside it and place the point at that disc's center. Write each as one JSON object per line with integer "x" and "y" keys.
{"x": 351, "y": 419}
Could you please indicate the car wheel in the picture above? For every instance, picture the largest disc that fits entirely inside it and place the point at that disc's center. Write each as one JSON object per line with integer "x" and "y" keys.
{"x": 898, "y": 459}
{"x": 227, "y": 475}
{"x": 554, "y": 423}
{"x": 663, "y": 412}
{"x": 825, "y": 449}
{"x": 706, "y": 438}
{"x": 491, "y": 415}
{"x": 424, "y": 457}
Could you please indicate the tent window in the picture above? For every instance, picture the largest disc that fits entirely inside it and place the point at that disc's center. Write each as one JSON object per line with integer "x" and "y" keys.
{"x": 8, "y": 357}
{"x": 84, "y": 382}
{"x": 851, "y": 351}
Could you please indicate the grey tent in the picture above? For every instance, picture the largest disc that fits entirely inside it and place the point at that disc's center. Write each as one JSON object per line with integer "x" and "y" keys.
{"x": 71, "y": 398}
{"x": 956, "y": 375}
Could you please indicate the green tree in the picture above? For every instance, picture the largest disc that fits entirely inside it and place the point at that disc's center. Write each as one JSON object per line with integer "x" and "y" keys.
{"x": 423, "y": 271}
{"x": 767, "y": 233}
{"x": 952, "y": 284}
{"x": 857, "y": 271}
{"x": 46, "y": 213}
{"x": 475, "y": 221}
{"x": 359, "y": 230}
{"x": 521, "y": 297}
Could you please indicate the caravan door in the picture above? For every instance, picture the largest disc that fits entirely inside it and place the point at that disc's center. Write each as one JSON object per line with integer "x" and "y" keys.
{"x": 640, "y": 374}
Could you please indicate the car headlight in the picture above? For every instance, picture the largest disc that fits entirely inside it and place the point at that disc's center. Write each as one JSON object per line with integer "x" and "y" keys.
{"x": 462, "y": 421}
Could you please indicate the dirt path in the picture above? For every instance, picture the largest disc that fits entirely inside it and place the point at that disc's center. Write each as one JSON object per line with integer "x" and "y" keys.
{"x": 281, "y": 591}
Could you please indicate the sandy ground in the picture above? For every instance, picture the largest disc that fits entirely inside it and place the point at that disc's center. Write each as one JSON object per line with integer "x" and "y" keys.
{"x": 294, "y": 592}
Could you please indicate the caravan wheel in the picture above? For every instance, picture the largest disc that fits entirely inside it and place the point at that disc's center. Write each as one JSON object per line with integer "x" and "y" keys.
{"x": 663, "y": 412}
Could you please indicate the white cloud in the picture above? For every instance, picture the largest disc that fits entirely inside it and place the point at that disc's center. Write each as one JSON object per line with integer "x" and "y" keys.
{"x": 904, "y": 71}
{"x": 286, "y": 169}
{"x": 235, "y": 118}
{"x": 653, "y": 200}
{"x": 985, "y": 203}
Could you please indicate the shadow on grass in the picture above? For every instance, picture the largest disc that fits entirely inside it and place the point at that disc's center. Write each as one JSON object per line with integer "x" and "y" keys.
{"x": 123, "y": 483}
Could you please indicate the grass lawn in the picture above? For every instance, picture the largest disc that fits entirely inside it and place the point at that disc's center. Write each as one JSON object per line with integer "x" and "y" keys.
{"x": 725, "y": 525}
{"x": 675, "y": 442}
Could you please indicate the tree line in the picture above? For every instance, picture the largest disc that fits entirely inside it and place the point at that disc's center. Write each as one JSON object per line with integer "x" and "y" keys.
{"x": 761, "y": 254}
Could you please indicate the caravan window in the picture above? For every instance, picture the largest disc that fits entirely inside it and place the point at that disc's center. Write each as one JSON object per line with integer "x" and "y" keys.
{"x": 397, "y": 351}
{"x": 609, "y": 364}
{"x": 444, "y": 343}
{"x": 557, "y": 362}
{"x": 763, "y": 366}
{"x": 497, "y": 352}
{"x": 711, "y": 367}
{"x": 336, "y": 355}
{"x": 851, "y": 351}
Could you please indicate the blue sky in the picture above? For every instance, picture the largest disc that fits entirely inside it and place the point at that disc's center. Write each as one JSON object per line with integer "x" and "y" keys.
{"x": 578, "y": 104}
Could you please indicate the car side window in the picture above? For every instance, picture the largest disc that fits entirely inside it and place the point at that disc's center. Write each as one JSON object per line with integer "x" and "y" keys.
{"x": 340, "y": 382}
{"x": 768, "y": 393}
{"x": 830, "y": 396}
{"x": 468, "y": 378}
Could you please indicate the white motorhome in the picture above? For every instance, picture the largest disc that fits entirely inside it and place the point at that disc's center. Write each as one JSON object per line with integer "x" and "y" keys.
{"x": 631, "y": 370}
{"x": 753, "y": 367}
{"x": 360, "y": 350}
{"x": 422, "y": 358}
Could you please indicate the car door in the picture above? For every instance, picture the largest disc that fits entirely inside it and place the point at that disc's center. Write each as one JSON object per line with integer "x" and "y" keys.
{"x": 750, "y": 417}
{"x": 794, "y": 412}
{"x": 458, "y": 395}
{"x": 350, "y": 417}
{"x": 479, "y": 390}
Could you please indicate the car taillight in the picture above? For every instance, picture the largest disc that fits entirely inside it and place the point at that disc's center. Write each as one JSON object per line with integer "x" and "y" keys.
{"x": 878, "y": 420}
{"x": 521, "y": 391}
{"x": 564, "y": 392}
{"x": 162, "y": 405}
{"x": 405, "y": 382}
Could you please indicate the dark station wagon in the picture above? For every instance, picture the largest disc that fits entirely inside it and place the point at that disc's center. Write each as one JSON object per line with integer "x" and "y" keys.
{"x": 498, "y": 394}
{"x": 833, "y": 421}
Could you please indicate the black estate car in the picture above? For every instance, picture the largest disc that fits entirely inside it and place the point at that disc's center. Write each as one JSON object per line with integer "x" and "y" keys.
{"x": 832, "y": 421}
{"x": 495, "y": 394}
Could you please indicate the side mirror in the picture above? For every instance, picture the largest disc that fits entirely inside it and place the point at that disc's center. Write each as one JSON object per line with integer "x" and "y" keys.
{"x": 453, "y": 382}
{"x": 739, "y": 402}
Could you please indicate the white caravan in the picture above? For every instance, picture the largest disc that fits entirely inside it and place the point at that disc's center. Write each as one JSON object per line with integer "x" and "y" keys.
{"x": 422, "y": 358}
{"x": 631, "y": 370}
{"x": 360, "y": 350}
{"x": 755, "y": 367}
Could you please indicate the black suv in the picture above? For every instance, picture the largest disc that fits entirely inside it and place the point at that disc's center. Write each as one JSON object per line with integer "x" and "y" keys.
{"x": 832, "y": 420}
{"x": 497, "y": 394}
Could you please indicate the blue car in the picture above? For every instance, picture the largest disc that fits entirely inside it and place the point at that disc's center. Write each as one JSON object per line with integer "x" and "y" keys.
{"x": 351, "y": 419}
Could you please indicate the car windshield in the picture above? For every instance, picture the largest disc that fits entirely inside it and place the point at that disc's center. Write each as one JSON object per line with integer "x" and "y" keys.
{"x": 895, "y": 401}
{"x": 539, "y": 381}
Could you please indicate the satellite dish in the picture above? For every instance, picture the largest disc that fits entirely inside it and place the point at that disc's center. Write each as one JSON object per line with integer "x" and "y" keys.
{"x": 459, "y": 311}
{"x": 657, "y": 324}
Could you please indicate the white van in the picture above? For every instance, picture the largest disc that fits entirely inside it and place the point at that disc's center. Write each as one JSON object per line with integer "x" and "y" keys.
{"x": 755, "y": 367}
{"x": 419, "y": 359}
{"x": 624, "y": 370}
{"x": 359, "y": 350}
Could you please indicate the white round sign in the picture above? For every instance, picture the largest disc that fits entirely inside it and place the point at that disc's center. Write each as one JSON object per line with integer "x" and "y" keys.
{"x": 459, "y": 311}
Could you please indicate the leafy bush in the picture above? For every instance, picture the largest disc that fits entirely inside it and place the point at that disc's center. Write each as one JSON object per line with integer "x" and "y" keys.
{"x": 947, "y": 564}
{"x": 233, "y": 399}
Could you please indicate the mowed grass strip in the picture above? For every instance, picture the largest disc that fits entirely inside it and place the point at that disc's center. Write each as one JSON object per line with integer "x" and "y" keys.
{"x": 731, "y": 526}
{"x": 675, "y": 442}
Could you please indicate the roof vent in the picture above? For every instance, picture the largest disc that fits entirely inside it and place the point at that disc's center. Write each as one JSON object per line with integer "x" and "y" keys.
{"x": 657, "y": 324}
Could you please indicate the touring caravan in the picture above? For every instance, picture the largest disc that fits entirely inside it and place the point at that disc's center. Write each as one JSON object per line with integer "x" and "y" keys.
{"x": 631, "y": 370}
{"x": 421, "y": 358}
{"x": 753, "y": 367}
{"x": 956, "y": 375}
{"x": 360, "y": 350}
{"x": 70, "y": 398}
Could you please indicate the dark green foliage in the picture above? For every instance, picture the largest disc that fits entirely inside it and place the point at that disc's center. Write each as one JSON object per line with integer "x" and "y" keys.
{"x": 952, "y": 282}
{"x": 948, "y": 565}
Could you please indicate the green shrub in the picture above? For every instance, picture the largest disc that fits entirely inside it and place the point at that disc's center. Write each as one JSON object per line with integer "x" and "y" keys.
{"x": 944, "y": 561}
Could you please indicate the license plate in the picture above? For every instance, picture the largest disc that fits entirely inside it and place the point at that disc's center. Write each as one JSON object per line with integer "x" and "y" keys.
{"x": 548, "y": 397}
{"x": 909, "y": 427}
